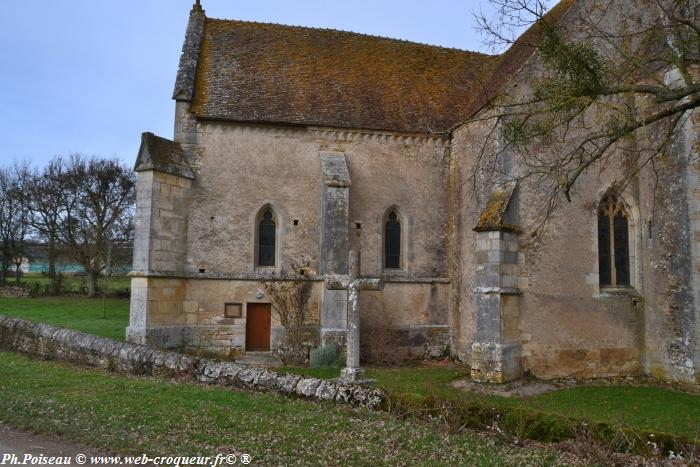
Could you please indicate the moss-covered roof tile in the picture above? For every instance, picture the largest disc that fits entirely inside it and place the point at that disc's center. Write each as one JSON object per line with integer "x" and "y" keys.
{"x": 270, "y": 73}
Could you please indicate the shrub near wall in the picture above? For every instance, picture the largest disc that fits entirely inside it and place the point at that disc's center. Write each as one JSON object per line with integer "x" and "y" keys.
{"x": 50, "y": 342}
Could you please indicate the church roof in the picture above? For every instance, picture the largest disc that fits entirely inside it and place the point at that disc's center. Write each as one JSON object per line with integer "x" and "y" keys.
{"x": 269, "y": 73}
{"x": 512, "y": 60}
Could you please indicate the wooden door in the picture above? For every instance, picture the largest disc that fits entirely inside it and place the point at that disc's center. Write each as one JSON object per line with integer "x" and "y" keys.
{"x": 257, "y": 326}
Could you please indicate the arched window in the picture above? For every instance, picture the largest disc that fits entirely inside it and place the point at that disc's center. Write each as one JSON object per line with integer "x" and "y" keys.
{"x": 392, "y": 241}
{"x": 267, "y": 233}
{"x": 613, "y": 243}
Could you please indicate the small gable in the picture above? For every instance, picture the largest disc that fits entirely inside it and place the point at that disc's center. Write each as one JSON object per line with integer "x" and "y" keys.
{"x": 162, "y": 155}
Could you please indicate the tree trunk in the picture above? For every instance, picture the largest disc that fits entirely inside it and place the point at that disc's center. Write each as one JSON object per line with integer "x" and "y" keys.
{"x": 52, "y": 258}
{"x": 55, "y": 283}
{"x": 92, "y": 283}
{"x": 18, "y": 274}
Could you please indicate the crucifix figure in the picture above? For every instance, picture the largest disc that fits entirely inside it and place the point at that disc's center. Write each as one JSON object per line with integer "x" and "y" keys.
{"x": 353, "y": 283}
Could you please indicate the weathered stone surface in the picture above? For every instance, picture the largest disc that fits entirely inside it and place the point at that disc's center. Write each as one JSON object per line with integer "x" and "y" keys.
{"x": 367, "y": 398}
{"x": 209, "y": 372}
{"x": 307, "y": 387}
{"x": 268, "y": 380}
{"x": 249, "y": 376}
{"x": 184, "y": 83}
{"x": 11, "y": 291}
{"x": 46, "y": 341}
{"x": 326, "y": 391}
{"x": 286, "y": 383}
{"x": 345, "y": 393}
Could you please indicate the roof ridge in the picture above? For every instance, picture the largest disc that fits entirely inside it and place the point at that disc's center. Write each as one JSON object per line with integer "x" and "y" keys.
{"x": 342, "y": 31}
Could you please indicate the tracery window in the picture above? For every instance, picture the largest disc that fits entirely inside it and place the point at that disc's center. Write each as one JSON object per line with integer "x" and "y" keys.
{"x": 613, "y": 243}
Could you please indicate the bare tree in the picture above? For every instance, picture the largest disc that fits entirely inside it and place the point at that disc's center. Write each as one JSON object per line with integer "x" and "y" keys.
{"x": 618, "y": 82}
{"x": 48, "y": 208}
{"x": 290, "y": 294}
{"x": 99, "y": 202}
{"x": 14, "y": 218}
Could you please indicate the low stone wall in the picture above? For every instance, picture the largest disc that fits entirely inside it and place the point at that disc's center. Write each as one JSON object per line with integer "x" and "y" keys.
{"x": 11, "y": 291}
{"x": 50, "y": 342}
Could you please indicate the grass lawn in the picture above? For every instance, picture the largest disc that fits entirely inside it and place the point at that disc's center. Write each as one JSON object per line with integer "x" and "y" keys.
{"x": 645, "y": 408}
{"x": 130, "y": 414}
{"x": 80, "y": 313}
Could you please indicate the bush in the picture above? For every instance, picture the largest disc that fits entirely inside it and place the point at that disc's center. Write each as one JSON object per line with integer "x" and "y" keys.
{"x": 328, "y": 356}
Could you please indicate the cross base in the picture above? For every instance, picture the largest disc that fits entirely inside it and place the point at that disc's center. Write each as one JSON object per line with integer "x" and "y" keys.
{"x": 355, "y": 376}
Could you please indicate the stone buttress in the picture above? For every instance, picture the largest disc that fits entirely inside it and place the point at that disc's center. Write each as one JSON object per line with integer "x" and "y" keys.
{"x": 335, "y": 209}
{"x": 495, "y": 352}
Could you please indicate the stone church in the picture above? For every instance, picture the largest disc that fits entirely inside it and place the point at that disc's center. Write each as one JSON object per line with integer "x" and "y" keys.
{"x": 295, "y": 145}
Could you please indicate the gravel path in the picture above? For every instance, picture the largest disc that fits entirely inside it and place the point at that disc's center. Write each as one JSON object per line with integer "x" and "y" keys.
{"x": 22, "y": 443}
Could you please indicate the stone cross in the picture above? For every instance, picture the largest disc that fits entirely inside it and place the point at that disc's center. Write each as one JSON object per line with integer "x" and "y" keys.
{"x": 353, "y": 283}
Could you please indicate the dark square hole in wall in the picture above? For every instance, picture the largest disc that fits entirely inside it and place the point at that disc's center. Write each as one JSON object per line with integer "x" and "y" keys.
{"x": 296, "y": 221}
{"x": 202, "y": 270}
{"x": 302, "y": 272}
{"x": 233, "y": 310}
{"x": 358, "y": 225}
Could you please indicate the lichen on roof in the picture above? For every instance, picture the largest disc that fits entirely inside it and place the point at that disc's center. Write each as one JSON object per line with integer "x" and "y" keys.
{"x": 162, "y": 155}
{"x": 291, "y": 75}
{"x": 270, "y": 73}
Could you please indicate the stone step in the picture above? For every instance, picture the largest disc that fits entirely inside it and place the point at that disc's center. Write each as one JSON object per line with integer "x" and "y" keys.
{"x": 260, "y": 359}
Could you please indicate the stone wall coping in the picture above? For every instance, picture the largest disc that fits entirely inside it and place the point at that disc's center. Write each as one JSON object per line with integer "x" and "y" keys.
{"x": 424, "y": 326}
{"x": 50, "y": 342}
{"x": 497, "y": 290}
{"x": 274, "y": 277}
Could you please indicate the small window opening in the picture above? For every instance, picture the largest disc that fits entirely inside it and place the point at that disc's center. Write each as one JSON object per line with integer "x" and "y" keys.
{"x": 266, "y": 239}
{"x": 392, "y": 241}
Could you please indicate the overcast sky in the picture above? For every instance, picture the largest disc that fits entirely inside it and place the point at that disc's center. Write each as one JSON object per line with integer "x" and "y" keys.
{"x": 89, "y": 76}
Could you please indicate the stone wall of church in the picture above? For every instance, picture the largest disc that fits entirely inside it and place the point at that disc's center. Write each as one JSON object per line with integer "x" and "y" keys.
{"x": 205, "y": 305}
{"x": 670, "y": 203}
{"x": 569, "y": 325}
{"x": 566, "y": 325}
{"x": 156, "y": 310}
{"x": 243, "y": 168}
